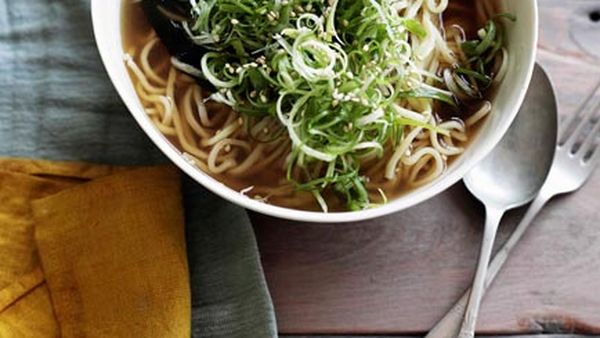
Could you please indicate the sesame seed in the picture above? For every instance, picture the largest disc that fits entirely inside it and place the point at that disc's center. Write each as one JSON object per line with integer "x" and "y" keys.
{"x": 481, "y": 33}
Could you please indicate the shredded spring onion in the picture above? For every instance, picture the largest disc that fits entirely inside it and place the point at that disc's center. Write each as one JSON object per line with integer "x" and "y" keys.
{"x": 332, "y": 73}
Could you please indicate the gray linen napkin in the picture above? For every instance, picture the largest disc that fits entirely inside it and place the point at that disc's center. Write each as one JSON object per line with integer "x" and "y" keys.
{"x": 57, "y": 103}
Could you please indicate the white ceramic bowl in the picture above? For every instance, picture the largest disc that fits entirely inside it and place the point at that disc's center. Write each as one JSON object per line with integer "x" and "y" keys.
{"x": 522, "y": 39}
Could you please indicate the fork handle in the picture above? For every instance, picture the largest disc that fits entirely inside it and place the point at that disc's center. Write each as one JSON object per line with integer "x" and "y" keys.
{"x": 449, "y": 325}
{"x": 534, "y": 208}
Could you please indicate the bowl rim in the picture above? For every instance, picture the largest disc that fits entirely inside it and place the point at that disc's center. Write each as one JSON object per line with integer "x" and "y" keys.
{"x": 403, "y": 202}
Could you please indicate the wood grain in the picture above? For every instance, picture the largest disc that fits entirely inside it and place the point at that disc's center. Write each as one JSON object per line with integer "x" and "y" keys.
{"x": 399, "y": 274}
{"x": 527, "y": 336}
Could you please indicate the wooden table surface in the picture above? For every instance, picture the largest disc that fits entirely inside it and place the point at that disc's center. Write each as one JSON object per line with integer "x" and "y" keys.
{"x": 399, "y": 274}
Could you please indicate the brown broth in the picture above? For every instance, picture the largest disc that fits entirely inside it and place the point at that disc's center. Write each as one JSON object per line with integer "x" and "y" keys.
{"x": 135, "y": 30}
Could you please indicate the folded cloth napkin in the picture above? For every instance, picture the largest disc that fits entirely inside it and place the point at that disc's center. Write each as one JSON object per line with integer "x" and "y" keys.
{"x": 91, "y": 251}
{"x": 57, "y": 103}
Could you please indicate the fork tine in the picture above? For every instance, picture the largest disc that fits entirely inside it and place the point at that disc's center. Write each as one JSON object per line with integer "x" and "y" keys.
{"x": 593, "y": 161}
{"x": 590, "y": 112}
{"x": 579, "y": 118}
{"x": 588, "y": 143}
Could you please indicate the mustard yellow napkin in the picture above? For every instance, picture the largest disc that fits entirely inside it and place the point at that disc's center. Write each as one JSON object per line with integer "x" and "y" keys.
{"x": 91, "y": 251}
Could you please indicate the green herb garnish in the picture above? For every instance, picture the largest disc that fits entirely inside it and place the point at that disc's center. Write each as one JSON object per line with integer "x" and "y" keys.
{"x": 331, "y": 72}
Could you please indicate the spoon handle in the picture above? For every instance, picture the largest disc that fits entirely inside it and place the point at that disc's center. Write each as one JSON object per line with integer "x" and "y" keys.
{"x": 449, "y": 325}
{"x": 492, "y": 221}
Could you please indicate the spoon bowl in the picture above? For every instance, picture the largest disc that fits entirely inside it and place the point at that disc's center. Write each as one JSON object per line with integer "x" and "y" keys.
{"x": 513, "y": 173}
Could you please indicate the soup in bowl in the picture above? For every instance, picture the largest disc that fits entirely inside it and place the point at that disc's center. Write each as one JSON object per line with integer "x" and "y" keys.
{"x": 321, "y": 111}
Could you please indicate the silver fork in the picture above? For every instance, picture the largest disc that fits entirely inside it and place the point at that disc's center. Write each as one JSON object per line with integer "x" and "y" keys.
{"x": 577, "y": 155}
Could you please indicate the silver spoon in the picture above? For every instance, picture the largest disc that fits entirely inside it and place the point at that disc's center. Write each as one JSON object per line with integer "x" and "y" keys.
{"x": 577, "y": 156}
{"x": 512, "y": 175}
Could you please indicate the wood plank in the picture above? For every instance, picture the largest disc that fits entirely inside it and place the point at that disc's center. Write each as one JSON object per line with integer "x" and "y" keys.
{"x": 399, "y": 274}
{"x": 512, "y": 336}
